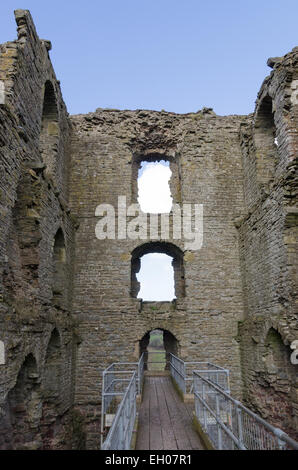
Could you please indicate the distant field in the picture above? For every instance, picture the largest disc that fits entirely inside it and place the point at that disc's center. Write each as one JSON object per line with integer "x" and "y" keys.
{"x": 156, "y": 352}
{"x": 156, "y": 339}
{"x": 156, "y": 356}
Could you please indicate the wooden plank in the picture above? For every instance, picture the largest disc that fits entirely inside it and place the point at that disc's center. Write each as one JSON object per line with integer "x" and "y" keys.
{"x": 142, "y": 442}
{"x": 183, "y": 442}
{"x": 169, "y": 440}
{"x": 165, "y": 422}
{"x": 156, "y": 441}
{"x": 186, "y": 421}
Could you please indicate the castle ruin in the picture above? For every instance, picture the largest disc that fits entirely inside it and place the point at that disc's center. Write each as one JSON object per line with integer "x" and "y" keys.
{"x": 68, "y": 301}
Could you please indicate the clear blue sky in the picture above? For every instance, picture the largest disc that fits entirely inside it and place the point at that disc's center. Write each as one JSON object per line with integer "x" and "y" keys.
{"x": 177, "y": 55}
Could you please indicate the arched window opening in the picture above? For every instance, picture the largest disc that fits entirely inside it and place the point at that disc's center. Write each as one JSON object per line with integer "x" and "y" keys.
{"x": 154, "y": 194}
{"x": 266, "y": 142}
{"x": 49, "y": 112}
{"x": 20, "y": 273}
{"x": 22, "y": 409}
{"x": 51, "y": 393}
{"x": 280, "y": 379}
{"x": 52, "y": 371}
{"x": 157, "y": 272}
{"x": 157, "y": 345}
{"x": 277, "y": 355}
{"x": 49, "y": 134}
{"x": 59, "y": 265}
{"x": 156, "y": 278}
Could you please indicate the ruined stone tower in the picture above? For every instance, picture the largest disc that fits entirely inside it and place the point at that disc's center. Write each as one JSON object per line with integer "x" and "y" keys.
{"x": 69, "y": 303}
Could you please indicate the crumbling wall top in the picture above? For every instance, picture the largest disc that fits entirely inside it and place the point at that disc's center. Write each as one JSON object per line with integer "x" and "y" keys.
{"x": 26, "y": 28}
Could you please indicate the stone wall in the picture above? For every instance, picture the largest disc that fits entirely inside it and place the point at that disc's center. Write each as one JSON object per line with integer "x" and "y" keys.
{"x": 112, "y": 322}
{"x": 33, "y": 208}
{"x": 268, "y": 247}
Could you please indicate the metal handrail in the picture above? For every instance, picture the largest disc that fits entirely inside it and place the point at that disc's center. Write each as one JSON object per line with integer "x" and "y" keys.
{"x": 230, "y": 424}
{"x": 120, "y": 433}
{"x": 114, "y": 385}
{"x": 219, "y": 421}
{"x": 181, "y": 372}
{"x": 140, "y": 373}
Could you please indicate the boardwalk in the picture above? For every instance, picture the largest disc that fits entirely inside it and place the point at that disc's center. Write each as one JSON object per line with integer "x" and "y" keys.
{"x": 165, "y": 422}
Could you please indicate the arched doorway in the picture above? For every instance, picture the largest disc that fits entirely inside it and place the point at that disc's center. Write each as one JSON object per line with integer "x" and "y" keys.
{"x": 265, "y": 140}
{"x": 59, "y": 287}
{"x": 51, "y": 392}
{"x": 279, "y": 378}
{"x": 157, "y": 344}
{"x": 20, "y": 423}
{"x": 49, "y": 132}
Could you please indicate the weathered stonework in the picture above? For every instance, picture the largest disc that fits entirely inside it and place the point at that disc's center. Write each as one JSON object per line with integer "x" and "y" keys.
{"x": 204, "y": 321}
{"x": 268, "y": 249}
{"x": 33, "y": 208}
{"x": 68, "y": 301}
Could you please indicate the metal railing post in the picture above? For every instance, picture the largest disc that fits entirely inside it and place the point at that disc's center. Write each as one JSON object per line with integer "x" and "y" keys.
{"x": 281, "y": 443}
{"x": 123, "y": 431}
{"x": 228, "y": 380}
{"x": 184, "y": 377}
{"x": 140, "y": 373}
{"x": 204, "y": 409}
{"x": 102, "y": 409}
{"x": 239, "y": 423}
{"x": 219, "y": 435}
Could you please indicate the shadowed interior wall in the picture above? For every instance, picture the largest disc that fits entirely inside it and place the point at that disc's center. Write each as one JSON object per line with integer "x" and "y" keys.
{"x": 268, "y": 248}
{"x": 34, "y": 131}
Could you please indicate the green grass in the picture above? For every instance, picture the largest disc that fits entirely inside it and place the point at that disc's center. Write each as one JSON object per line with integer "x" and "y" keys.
{"x": 156, "y": 351}
{"x": 156, "y": 356}
{"x": 156, "y": 339}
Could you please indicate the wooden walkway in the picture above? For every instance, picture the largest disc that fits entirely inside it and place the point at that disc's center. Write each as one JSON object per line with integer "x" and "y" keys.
{"x": 165, "y": 422}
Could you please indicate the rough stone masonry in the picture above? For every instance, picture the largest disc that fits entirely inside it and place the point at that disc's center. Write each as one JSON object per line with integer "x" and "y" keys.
{"x": 69, "y": 302}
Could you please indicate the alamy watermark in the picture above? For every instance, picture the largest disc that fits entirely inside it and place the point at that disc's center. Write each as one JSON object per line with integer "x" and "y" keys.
{"x": 184, "y": 222}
